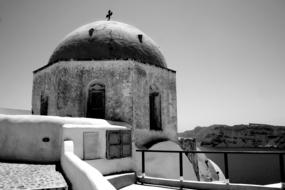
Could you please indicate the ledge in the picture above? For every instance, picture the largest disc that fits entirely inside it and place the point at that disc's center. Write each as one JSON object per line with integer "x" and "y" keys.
{"x": 203, "y": 185}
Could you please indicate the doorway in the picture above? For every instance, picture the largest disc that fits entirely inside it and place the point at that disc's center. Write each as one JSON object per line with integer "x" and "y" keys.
{"x": 96, "y": 101}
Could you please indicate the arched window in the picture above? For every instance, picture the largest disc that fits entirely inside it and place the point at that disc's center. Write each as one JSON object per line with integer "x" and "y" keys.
{"x": 155, "y": 111}
{"x": 96, "y": 101}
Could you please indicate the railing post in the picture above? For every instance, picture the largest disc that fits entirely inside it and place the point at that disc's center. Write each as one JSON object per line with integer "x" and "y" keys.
{"x": 226, "y": 167}
{"x": 180, "y": 166}
{"x": 281, "y": 164}
{"x": 143, "y": 165}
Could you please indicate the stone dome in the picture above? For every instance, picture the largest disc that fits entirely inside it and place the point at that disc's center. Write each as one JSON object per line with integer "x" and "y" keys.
{"x": 108, "y": 40}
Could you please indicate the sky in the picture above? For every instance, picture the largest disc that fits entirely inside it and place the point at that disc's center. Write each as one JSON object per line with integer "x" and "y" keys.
{"x": 229, "y": 55}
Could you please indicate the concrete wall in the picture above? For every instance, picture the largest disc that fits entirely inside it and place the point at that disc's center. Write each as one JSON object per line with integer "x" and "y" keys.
{"x": 32, "y": 138}
{"x": 127, "y": 91}
{"x": 80, "y": 174}
{"x": 206, "y": 185}
{"x": 75, "y": 132}
{"x": 25, "y": 139}
{"x": 163, "y": 81}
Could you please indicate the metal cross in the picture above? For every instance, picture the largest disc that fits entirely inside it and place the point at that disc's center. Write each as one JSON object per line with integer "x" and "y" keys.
{"x": 108, "y": 16}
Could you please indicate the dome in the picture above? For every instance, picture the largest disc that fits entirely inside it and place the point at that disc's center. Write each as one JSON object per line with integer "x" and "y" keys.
{"x": 108, "y": 40}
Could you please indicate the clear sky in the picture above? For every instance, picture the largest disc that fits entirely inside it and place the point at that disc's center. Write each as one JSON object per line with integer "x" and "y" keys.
{"x": 229, "y": 54}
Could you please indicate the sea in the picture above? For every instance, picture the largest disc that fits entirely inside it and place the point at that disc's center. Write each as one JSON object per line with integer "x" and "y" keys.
{"x": 249, "y": 168}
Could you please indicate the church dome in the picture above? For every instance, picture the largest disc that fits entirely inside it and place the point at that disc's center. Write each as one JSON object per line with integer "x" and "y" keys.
{"x": 108, "y": 40}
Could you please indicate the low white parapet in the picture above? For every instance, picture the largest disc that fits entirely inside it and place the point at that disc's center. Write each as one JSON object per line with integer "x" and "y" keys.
{"x": 80, "y": 174}
{"x": 203, "y": 185}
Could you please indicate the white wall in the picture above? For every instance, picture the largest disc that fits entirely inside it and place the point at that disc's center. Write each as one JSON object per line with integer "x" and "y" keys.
{"x": 75, "y": 132}
{"x": 166, "y": 165}
{"x": 21, "y": 139}
{"x": 81, "y": 175}
{"x": 21, "y": 136}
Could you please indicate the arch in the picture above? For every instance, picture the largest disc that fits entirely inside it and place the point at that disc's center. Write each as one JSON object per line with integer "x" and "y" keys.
{"x": 96, "y": 101}
{"x": 154, "y": 109}
{"x": 153, "y": 88}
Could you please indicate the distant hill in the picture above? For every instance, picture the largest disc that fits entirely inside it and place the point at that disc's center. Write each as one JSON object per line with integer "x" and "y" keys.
{"x": 10, "y": 111}
{"x": 249, "y": 136}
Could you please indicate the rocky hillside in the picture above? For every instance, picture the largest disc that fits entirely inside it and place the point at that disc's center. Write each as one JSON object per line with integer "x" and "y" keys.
{"x": 249, "y": 136}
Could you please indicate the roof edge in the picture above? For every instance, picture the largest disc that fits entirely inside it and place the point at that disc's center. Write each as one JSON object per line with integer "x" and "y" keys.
{"x": 47, "y": 65}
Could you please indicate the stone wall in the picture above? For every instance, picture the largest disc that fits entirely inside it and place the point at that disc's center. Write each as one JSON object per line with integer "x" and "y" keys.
{"x": 163, "y": 81}
{"x": 66, "y": 84}
{"x": 127, "y": 91}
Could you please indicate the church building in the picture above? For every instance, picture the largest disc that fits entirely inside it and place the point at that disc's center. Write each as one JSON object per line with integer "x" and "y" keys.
{"x": 108, "y": 70}
{"x": 116, "y": 75}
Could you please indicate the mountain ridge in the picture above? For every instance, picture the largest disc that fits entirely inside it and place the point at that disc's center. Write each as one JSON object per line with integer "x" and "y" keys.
{"x": 252, "y": 135}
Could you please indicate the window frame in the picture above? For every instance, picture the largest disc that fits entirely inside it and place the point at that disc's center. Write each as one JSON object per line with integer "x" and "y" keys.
{"x": 121, "y": 144}
{"x": 155, "y": 119}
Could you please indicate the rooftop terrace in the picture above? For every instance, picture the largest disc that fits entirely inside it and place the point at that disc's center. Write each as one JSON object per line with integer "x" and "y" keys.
{"x": 30, "y": 176}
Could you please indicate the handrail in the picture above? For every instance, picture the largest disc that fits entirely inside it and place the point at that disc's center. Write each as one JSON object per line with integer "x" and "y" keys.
{"x": 225, "y": 153}
{"x": 214, "y": 152}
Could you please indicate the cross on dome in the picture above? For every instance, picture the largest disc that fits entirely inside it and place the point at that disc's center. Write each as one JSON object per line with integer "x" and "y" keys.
{"x": 108, "y": 16}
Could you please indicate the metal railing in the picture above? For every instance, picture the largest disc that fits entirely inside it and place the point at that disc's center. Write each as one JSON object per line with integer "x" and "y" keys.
{"x": 226, "y": 160}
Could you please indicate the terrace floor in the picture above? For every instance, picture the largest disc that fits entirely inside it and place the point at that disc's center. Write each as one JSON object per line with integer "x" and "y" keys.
{"x": 30, "y": 176}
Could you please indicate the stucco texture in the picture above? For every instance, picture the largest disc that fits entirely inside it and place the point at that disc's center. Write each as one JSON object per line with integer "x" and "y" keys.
{"x": 38, "y": 139}
{"x": 66, "y": 85}
{"x": 127, "y": 87}
{"x": 21, "y": 139}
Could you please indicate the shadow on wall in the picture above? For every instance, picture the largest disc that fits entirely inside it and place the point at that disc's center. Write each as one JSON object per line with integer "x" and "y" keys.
{"x": 147, "y": 138}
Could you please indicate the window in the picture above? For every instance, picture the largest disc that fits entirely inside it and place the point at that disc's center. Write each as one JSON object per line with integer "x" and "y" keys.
{"x": 119, "y": 144}
{"x": 91, "y": 145}
{"x": 44, "y": 105}
{"x": 96, "y": 101}
{"x": 154, "y": 111}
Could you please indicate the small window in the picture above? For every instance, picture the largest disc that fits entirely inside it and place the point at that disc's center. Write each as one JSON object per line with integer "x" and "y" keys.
{"x": 154, "y": 111}
{"x": 119, "y": 144}
{"x": 44, "y": 105}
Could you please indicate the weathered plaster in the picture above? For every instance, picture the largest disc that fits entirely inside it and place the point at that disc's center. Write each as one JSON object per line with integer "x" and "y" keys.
{"x": 163, "y": 81}
{"x": 127, "y": 87}
{"x": 69, "y": 89}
